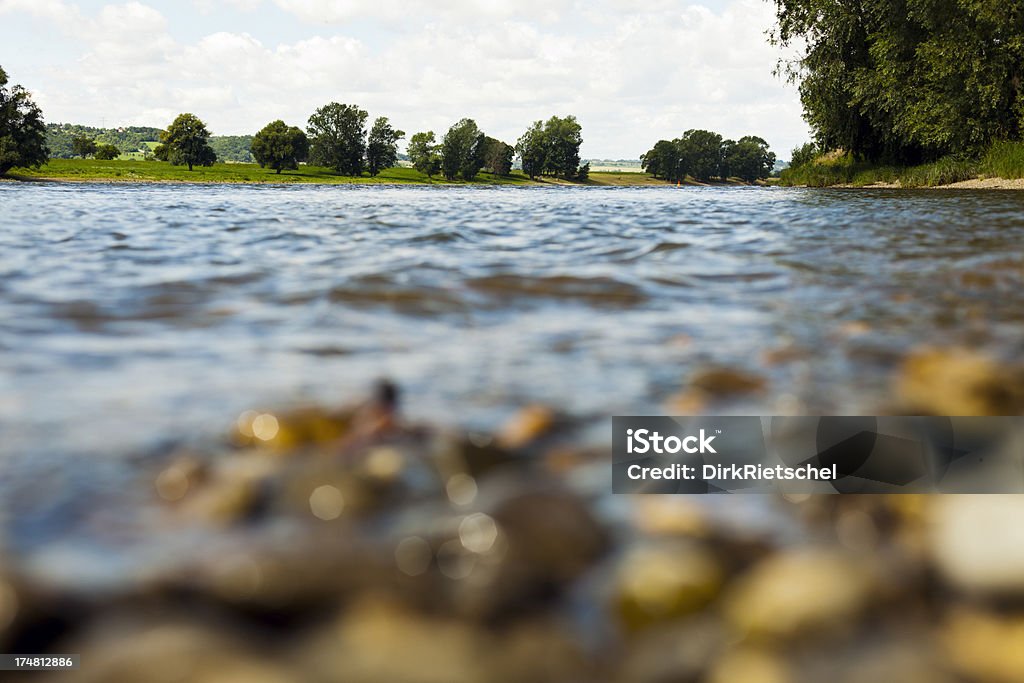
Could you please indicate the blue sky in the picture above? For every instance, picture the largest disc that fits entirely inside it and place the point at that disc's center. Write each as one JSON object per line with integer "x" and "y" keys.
{"x": 632, "y": 72}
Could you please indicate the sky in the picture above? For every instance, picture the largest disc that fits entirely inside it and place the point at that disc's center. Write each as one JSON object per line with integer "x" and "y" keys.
{"x": 631, "y": 71}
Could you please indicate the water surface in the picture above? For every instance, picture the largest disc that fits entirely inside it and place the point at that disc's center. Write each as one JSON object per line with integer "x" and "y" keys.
{"x": 135, "y": 315}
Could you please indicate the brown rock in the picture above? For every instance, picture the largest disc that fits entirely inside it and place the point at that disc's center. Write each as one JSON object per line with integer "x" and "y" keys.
{"x": 800, "y": 593}
{"x": 957, "y": 381}
{"x": 657, "y": 583}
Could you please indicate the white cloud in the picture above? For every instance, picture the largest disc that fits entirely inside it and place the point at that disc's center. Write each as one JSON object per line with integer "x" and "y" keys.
{"x": 630, "y": 76}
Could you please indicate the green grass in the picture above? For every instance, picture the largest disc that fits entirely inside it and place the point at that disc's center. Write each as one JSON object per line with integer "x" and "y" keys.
{"x": 1002, "y": 160}
{"x": 157, "y": 171}
{"x": 127, "y": 170}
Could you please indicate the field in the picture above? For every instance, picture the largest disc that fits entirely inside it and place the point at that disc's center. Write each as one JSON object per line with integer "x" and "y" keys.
{"x": 120, "y": 170}
{"x": 137, "y": 170}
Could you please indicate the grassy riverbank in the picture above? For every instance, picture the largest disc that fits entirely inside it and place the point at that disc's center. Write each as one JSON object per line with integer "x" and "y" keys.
{"x": 156, "y": 171}
{"x": 93, "y": 170}
{"x": 1004, "y": 161}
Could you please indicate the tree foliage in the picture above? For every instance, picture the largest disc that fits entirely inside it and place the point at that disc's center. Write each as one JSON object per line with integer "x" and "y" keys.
{"x": 105, "y": 152}
{"x": 83, "y": 146}
{"x": 803, "y": 154}
{"x": 462, "y": 150}
{"x": 186, "y": 142}
{"x": 497, "y": 156}
{"x": 425, "y": 153}
{"x": 279, "y": 146}
{"x": 704, "y": 155}
{"x": 552, "y": 147}
{"x": 22, "y": 132}
{"x": 382, "y": 148}
{"x": 907, "y": 80}
{"x": 532, "y": 150}
{"x": 337, "y": 135}
{"x": 60, "y": 138}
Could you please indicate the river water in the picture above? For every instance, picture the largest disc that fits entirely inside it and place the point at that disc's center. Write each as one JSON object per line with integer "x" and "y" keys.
{"x": 138, "y": 315}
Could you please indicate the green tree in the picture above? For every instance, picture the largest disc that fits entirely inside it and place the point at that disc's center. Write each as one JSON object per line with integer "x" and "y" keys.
{"x": 748, "y": 159}
{"x": 279, "y": 146}
{"x": 337, "y": 135}
{"x": 105, "y": 152}
{"x": 187, "y": 142}
{"x": 664, "y": 160}
{"x": 562, "y": 140}
{"x": 906, "y": 80}
{"x": 701, "y": 153}
{"x": 382, "y": 148}
{"x": 22, "y": 132}
{"x": 461, "y": 150}
{"x": 532, "y": 150}
{"x": 424, "y": 153}
{"x": 583, "y": 173}
{"x": 83, "y": 146}
{"x": 804, "y": 154}
{"x": 497, "y": 156}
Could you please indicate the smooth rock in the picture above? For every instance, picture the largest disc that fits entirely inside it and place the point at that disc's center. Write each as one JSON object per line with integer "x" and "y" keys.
{"x": 656, "y": 583}
{"x": 977, "y": 542}
{"x": 806, "y": 592}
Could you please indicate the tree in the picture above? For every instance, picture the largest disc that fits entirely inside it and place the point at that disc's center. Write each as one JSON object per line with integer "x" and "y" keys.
{"x": 804, "y": 154}
{"x": 337, "y": 135}
{"x": 105, "y": 152}
{"x": 665, "y": 160}
{"x": 424, "y": 152}
{"x": 22, "y": 132}
{"x": 532, "y": 150}
{"x": 497, "y": 156}
{"x": 83, "y": 146}
{"x": 461, "y": 150}
{"x": 382, "y": 148}
{"x": 187, "y": 142}
{"x": 748, "y": 159}
{"x": 701, "y": 153}
{"x": 279, "y": 146}
{"x": 906, "y": 80}
{"x": 583, "y": 173}
{"x": 562, "y": 140}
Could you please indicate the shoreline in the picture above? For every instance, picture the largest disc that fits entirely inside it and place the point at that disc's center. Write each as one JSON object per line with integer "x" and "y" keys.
{"x": 969, "y": 184}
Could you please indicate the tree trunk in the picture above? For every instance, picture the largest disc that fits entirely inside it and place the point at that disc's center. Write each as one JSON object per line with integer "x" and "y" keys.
{"x": 190, "y": 167}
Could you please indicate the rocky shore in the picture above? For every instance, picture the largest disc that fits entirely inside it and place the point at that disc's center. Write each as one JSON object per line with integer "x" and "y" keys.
{"x": 349, "y": 545}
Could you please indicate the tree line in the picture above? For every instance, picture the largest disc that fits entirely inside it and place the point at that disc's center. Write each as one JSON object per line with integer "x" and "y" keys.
{"x": 906, "y": 81}
{"x": 337, "y": 137}
{"x": 704, "y": 155}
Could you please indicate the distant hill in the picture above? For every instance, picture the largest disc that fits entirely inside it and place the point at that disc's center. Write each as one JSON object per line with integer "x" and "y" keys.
{"x": 138, "y": 141}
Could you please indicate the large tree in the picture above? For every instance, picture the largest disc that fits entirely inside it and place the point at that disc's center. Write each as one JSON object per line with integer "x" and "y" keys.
{"x": 497, "y": 156}
{"x": 83, "y": 146}
{"x": 562, "y": 137}
{"x": 462, "y": 150}
{"x": 907, "y": 80}
{"x": 280, "y": 146}
{"x": 338, "y": 138}
{"x": 747, "y": 159}
{"x": 382, "y": 148}
{"x": 700, "y": 152}
{"x": 105, "y": 152}
{"x": 22, "y": 131}
{"x": 532, "y": 149}
{"x": 424, "y": 153}
{"x": 186, "y": 142}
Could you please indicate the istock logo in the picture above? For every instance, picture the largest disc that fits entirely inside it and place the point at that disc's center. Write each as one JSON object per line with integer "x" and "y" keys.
{"x": 640, "y": 441}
